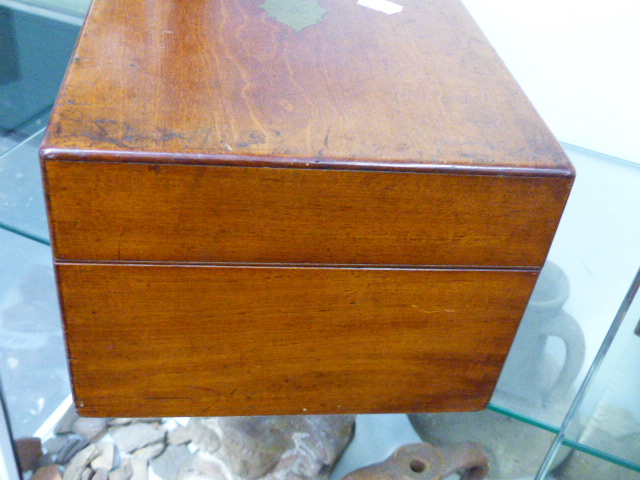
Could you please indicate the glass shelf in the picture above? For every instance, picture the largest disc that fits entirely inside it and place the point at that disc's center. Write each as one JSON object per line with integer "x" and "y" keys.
{"x": 35, "y": 52}
{"x": 22, "y": 206}
{"x": 607, "y": 420}
{"x": 32, "y": 355}
{"x": 595, "y": 255}
{"x": 76, "y": 8}
{"x": 581, "y": 464}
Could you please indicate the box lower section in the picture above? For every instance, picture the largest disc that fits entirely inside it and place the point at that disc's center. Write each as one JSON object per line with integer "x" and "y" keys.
{"x": 185, "y": 340}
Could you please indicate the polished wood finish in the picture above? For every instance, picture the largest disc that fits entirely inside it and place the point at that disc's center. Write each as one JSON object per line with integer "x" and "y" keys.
{"x": 190, "y": 213}
{"x": 251, "y": 219}
{"x": 188, "y": 341}
{"x": 219, "y": 81}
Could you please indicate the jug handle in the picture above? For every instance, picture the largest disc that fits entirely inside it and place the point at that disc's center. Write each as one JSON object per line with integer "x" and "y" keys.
{"x": 565, "y": 327}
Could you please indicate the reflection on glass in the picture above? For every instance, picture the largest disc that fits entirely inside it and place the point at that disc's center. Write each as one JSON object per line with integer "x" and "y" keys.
{"x": 34, "y": 53}
{"x": 22, "y": 206}
{"x": 71, "y": 7}
{"x": 533, "y": 380}
{"x": 582, "y": 466}
{"x": 32, "y": 355}
{"x": 609, "y": 416}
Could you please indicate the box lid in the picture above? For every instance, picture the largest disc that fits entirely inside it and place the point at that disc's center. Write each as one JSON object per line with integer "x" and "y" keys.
{"x": 304, "y": 83}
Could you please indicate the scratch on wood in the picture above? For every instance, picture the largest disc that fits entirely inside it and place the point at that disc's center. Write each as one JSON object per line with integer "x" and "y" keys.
{"x": 446, "y": 310}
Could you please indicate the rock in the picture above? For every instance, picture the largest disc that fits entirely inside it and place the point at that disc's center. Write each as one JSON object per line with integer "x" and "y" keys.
{"x": 55, "y": 444}
{"x": 90, "y": 428}
{"x": 105, "y": 458}
{"x": 100, "y": 474}
{"x": 253, "y": 445}
{"x": 28, "y": 450}
{"x": 117, "y": 457}
{"x": 148, "y": 420}
{"x": 135, "y": 436}
{"x": 86, "y": 474}
{"x": 74, "y": 443}
{"x": 140, "y": 469}
{"x": 167, "y": 465}
{"x": 199, "y": 468}
{"x": 119, "y": 421}
{"x": 124, "y": 472}
{"x": 49, "y": 472}
{"x": 284, "y": 446}
{"x": 65, "y": 424}
{"x": 80, "y": 462}
{"x": 178, "y": 436}
{"x": 44, "y": 461}
{"x": 202, "y": 434}
{"x": 149, "y": 452}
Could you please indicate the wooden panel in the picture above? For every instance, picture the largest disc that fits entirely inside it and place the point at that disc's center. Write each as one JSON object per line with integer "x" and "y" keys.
{"x": 189, "y": 341}
{"x": 140, "y": 212}
{"x": 221, "y": 81}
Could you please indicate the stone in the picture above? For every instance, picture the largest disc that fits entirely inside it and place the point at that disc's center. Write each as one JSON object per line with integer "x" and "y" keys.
{"x": 140, "y": 469}
{"x": 253, "y": 445}
{"x": 119, "y": 421}
{"x": 202, "y": 434}
{"x": 87, "y": 474}
{"x": 49, "y": 472}
{"x": 105, "y": 458}
{"x": 167, "y": 465}
{"x": 135, "y": 436}
{"x": 284, "y": 446}
{"x": 148, "y": 420}
{"x": 44, "y": 461}
{"x": 28, "y": 450}
{"x": 100, "y": 474}
{"x": 178, "y": 435}
{"x": 149, "y": 452}
{"x": 199, "y": 468}
{"x": 124, "y": 472}
{"x": 65, "y": 424}
{"x": 55, "y": 444}
{"x": 80, "y": 462}
{"x": 74, "y": 443}
{"x": 90, "y": 428}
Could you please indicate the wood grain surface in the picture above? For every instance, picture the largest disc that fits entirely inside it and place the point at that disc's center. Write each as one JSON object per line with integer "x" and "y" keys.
{"x": 220, "y": 81}
{"x": 220, "y": 183}
{"x": 178, "y": 213}
{"x": 189, "y": 341}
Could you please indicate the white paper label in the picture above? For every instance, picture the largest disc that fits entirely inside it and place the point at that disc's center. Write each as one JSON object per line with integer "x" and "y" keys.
{"x": 384, "y": 6}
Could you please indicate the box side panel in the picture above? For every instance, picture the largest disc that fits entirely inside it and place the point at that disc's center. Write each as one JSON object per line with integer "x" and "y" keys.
{"x": 185, "y": 341}
{"x": 194, "y": 213}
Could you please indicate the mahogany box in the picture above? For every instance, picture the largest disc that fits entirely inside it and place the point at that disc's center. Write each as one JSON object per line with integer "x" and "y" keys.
{"x": 293, "y": 206}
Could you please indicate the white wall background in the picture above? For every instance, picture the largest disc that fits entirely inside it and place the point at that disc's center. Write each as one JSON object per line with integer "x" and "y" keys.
{"x": 579, "y": 63}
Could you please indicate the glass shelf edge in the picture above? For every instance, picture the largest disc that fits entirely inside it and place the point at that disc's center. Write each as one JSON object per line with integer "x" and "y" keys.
{"x": 603, "y": 156}
{"x": 63, "y": 15}
{"x": 601, "y": 454}
{"x": 524, "y": 418}
{"x": 22, "y": 233}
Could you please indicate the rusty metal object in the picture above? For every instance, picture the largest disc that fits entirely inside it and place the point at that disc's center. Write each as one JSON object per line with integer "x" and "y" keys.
{"x": 423, "y": 461}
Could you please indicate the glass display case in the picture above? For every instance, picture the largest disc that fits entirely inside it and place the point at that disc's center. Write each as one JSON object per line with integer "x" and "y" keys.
{"x": 567, "y": 403}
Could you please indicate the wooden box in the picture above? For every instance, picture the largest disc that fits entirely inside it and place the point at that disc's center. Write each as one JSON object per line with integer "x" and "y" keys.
{"x": 293, "y": 206}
